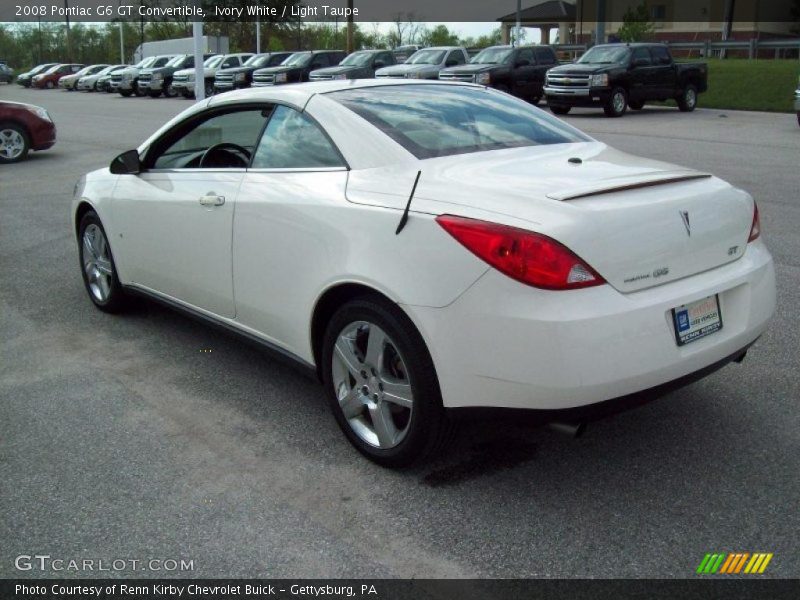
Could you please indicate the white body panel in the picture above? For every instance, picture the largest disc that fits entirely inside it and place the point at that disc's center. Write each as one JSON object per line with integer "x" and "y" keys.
{"x": 261, "y": 261}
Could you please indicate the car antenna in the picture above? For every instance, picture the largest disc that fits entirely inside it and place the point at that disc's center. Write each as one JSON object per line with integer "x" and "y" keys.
{"x": 404, "y": 218}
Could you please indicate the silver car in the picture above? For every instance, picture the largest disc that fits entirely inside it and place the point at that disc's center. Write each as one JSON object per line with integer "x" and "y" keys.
{"x": 426, "y": 63}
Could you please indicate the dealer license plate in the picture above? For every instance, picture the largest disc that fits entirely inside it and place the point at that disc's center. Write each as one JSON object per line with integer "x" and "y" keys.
{"x": 696, "y": 320}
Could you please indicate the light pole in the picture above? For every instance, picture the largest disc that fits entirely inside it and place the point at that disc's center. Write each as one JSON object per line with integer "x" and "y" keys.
{"x": 199, "y": 71}
{"x": 66, "y": 16}
{"x": 350, "y": 26}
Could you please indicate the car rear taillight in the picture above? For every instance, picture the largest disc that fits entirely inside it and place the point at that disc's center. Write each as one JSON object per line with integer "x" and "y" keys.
{"x": 755, "y": 228}
{"x": 531, "y": 258}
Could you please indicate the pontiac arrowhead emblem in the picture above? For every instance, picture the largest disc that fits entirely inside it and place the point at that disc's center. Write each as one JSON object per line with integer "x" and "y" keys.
{"x": 685, "y": 217}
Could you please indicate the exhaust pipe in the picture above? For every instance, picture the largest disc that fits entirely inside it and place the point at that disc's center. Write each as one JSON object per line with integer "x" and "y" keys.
{"x": 573, "y": 430}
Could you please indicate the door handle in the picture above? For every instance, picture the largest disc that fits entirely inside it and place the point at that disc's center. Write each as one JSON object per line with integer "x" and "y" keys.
{"x": 211, "y": 199}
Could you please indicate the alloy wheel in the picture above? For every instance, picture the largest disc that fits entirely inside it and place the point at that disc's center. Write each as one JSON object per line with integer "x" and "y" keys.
{"x": 372, "y": 385}
{"x": 691, "y": 98}
{"x": 96, "y": 261}
{"x": 12, "y": 144}
{"x": 619, "y": 102}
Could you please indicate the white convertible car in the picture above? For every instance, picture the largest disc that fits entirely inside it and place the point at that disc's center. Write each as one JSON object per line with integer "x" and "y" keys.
{"x": 425, "y": 246}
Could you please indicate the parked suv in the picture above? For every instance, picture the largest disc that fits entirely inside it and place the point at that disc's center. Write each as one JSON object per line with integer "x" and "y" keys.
{"x": 68, "y": 82}
{"x": 25, "y": 79}
{"x": 49, "y": 79}
{"x": 126, "y": 82}
{"x": 297, "y": 67}
{"x": 242, "y": 77}
{"x": 797, "y": 101}
{"x": 358, "y": 65}
{"x": 519, "y": 71}
{"x": 157, "y": 80}
{"x": 616, "y": 76}
{"x": 183, "y": 81}
{"x": 426, "y": 63}
{"x": 6, "y": 73}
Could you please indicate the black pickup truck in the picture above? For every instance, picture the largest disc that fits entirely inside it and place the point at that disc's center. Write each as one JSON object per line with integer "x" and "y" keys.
{"x": 519, "y": 71}
{"x": 616, "y": 76}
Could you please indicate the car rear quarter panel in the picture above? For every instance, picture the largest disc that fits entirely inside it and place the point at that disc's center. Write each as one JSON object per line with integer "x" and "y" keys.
{"x": 295, "y": 237}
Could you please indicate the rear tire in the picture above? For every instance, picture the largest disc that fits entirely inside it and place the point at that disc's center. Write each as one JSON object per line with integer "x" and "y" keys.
{"x": 535, "y": 100}
{"x": 97, "y": 266}
{"x": 560, "y": 110}
{"x": 376, "y": 367}
{"x": 687, "y": 101}
{"x": 636, "y": 104}
{"x": 617, "y": 103}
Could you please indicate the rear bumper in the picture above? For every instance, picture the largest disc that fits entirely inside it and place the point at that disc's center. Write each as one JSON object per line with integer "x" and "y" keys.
{"x": 577, "y": 97}
{"x": 797, "y": 101}
{"x": 503, "y": 344}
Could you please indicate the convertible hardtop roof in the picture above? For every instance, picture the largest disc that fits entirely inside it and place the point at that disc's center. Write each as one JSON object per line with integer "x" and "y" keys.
{"x": 300, "y": 93}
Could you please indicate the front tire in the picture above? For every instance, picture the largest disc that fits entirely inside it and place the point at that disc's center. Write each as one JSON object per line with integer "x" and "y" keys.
{"x": 97, "y": 266}
{"x": 687, "y": 101}
{"x": 560, "y": 110}
{"x": 617, "y": 103}
{"x": 49, "y": 85}
{"x": 14, "y": 143}
{"x": 154, "y": 94}
{"x": 126, "y": 93}
{"x": 381, "y": 383}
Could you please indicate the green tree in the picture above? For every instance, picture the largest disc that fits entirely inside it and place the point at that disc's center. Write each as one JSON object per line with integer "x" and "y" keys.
{"x": 438, "y": 36}
{"x": 636, "y": 24}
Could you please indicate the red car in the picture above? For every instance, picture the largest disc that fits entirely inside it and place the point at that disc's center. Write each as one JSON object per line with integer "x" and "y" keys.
{"x": 24, "y": 127}
{"x": 49, "y": 79}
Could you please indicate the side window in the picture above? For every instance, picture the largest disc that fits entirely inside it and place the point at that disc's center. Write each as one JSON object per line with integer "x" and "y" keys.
{"x": 641, "y": 53}
{"x": 388, "y": 58}
{"x": 337, "y": 58}
{"x": 231, "y": 61}
{"x": 455, "y": 55}
{"x": 319, "y": 61}
{"x": 545, "y": 56}
{"x": 293, "y": 141}
{"x": 237, "y": 130}
{"x": 526, "y": 54}
{"x": 660, "y": 55}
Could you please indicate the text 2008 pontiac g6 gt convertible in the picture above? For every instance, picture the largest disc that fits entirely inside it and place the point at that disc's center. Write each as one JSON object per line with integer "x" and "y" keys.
{"x": 426, "y": 246}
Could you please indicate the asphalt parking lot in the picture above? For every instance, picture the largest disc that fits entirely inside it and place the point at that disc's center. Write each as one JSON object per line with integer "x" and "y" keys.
{"x": 123, "y": 437}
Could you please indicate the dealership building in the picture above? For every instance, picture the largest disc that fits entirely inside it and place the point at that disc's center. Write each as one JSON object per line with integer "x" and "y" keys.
{"x": 576, "y": 21}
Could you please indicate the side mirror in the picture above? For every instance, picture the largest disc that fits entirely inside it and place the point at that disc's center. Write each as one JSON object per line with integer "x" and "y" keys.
{"x": 127, "y": 163}
{"x": 451, "y": 63}
{"x": 524, "y": 62}
{"x": 641, "y": 62}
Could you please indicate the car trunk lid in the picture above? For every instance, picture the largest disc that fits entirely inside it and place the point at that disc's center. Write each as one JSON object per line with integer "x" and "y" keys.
{"x": 637, "y": 222}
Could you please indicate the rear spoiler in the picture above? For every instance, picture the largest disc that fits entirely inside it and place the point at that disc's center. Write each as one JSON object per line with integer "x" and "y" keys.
{"x": 621, "y": 184}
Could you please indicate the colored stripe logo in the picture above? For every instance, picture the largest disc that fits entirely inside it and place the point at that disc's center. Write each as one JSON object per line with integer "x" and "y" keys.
{"x": 734, "y": 563}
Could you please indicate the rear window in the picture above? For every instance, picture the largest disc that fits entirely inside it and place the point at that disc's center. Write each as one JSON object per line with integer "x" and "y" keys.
{"x": 437, "y": 120}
